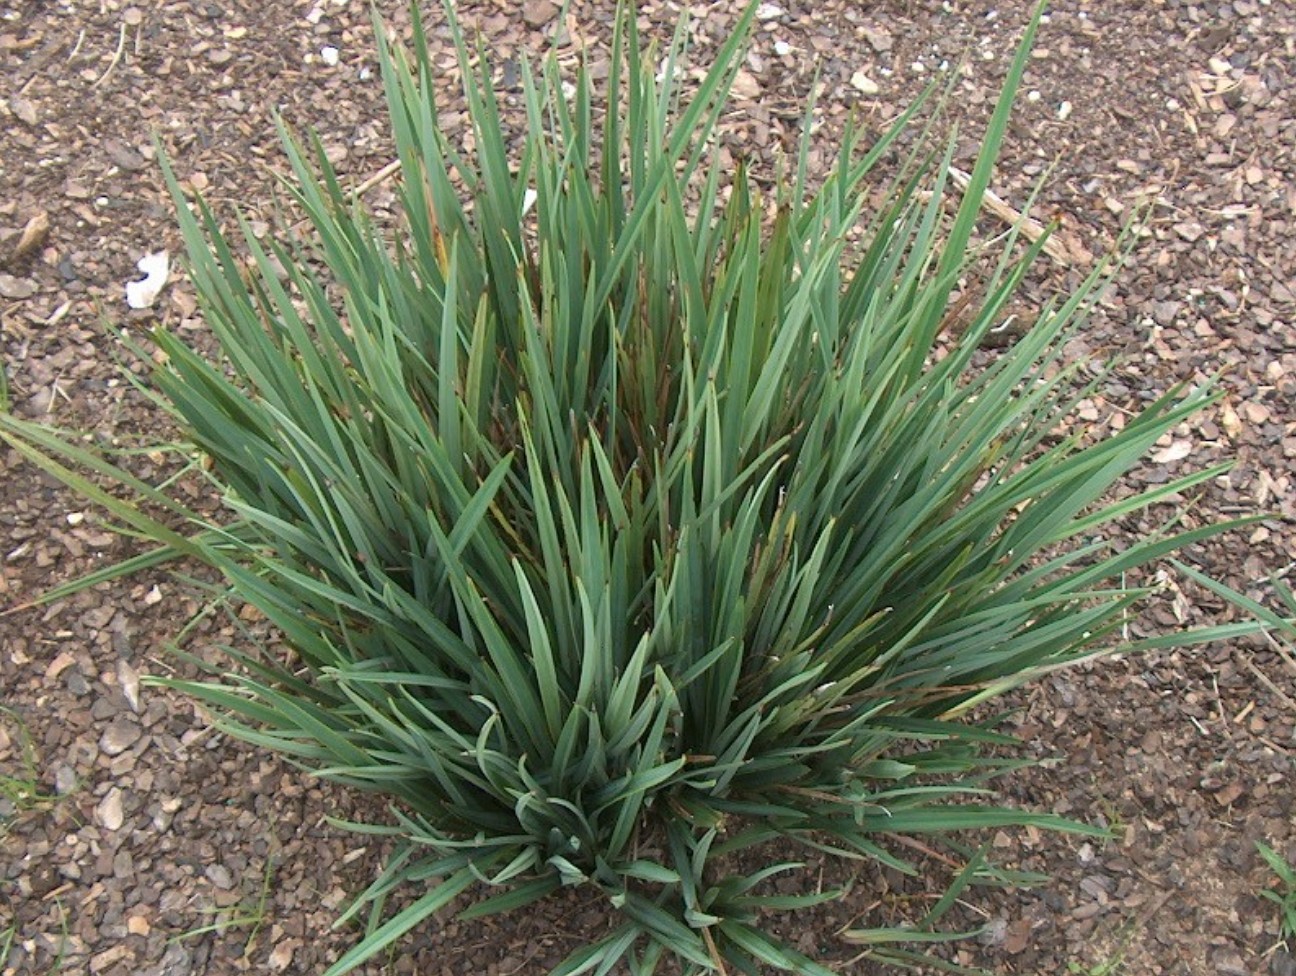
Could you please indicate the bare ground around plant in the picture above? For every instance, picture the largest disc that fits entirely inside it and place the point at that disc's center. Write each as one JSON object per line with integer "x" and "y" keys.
{"x": 135, "y": 839}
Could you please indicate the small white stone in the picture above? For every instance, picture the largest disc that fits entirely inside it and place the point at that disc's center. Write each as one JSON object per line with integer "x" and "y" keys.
{"x": 281, "y": 955}
{"x": 864, "y": 83}
{"x": 129, "y": 680}
{"x": 109, "y": 811}
{"x": 1064, "y": 111}
{"x": 782, "y": 48}
{"x": 768, "y": 11}
{"x": 219, "y": 875}
{"x": 329, "y": 55}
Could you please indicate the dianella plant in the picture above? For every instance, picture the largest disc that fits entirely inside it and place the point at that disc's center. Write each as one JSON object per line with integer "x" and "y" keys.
{"x": 616, "y": 518}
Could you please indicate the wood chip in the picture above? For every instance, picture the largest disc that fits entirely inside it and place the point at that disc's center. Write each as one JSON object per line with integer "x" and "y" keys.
{"x": 1031, "y": 229}
{"x": 24, "y": 109}
{"x": 33, "y": 236}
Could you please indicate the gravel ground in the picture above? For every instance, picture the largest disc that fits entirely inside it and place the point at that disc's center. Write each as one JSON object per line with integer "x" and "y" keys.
{"x": 134, "y": 839}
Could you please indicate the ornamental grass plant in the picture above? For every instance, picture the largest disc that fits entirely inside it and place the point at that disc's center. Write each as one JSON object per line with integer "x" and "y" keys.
{"x": 617, "y": 519}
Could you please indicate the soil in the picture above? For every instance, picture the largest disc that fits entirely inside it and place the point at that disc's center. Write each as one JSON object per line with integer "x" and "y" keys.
{"x": 149, "y": 844}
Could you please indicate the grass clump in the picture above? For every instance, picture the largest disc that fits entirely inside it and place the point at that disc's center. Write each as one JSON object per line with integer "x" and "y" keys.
{"x": 614, "y": 534}
{"x": 1284, "y": 895}
{"x": 1281, "y": 635}
{"x": 21, "y": 791}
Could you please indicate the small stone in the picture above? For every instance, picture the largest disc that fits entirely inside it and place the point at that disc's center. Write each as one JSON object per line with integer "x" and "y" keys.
{"x": 1256, "y": 413}
{"x": 24, "y": 109}
{"x": 1189, "y": 230}
{"x": 1229, "y": 963}
{"x": 782, "y": 48}
{"x": 281, "y": 955}
{"x": 176, "y": 961}
{"x": 65, "y": 779}
{"x": 1018, "y": 936}
{"x": 1088, "y": 910}
{"x": 62, "y": 661}
{"x": 1165, "y": 312}
{"x": 993, "y": 932}
{"x": 879, "y": 40}
{"x": 109, "y": 812}
{"x": 1230, "y": 421}
{"x": 1176, "y": 451}
{"x": 769, "y": 11}
{"x": 1229, "y": 794}
{"x": 330, "y": 56}
{"x": 129, "y": 680}
{"x": 537, "y": 13}
{"x": 219, "y": 875}
{"x": 1282, "y": 964}
{"x": 138, "y": 925}
{"x": 864, "y": 84}
{"x": 120, "y": 735}
{"x": 123, "y": 155}
{"x": 745, "y": 85}
{"x": 11, "y": 287}
{"x": 220, "y": 56}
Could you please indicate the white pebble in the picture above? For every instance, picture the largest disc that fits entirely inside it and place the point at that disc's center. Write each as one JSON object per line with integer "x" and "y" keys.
{"x": 109, "y": 812}
{"x": 1064, "y": 111}
{"x": 329, "y": 55}
{"x": 864, "y": 83}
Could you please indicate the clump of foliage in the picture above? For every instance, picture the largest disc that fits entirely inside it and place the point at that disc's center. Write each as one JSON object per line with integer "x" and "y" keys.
{"x": 1281, "y": 635}
{"x": 1284, "y": 896}
{"x": 20, "y": 780}
{"x": 619, "y": 520}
